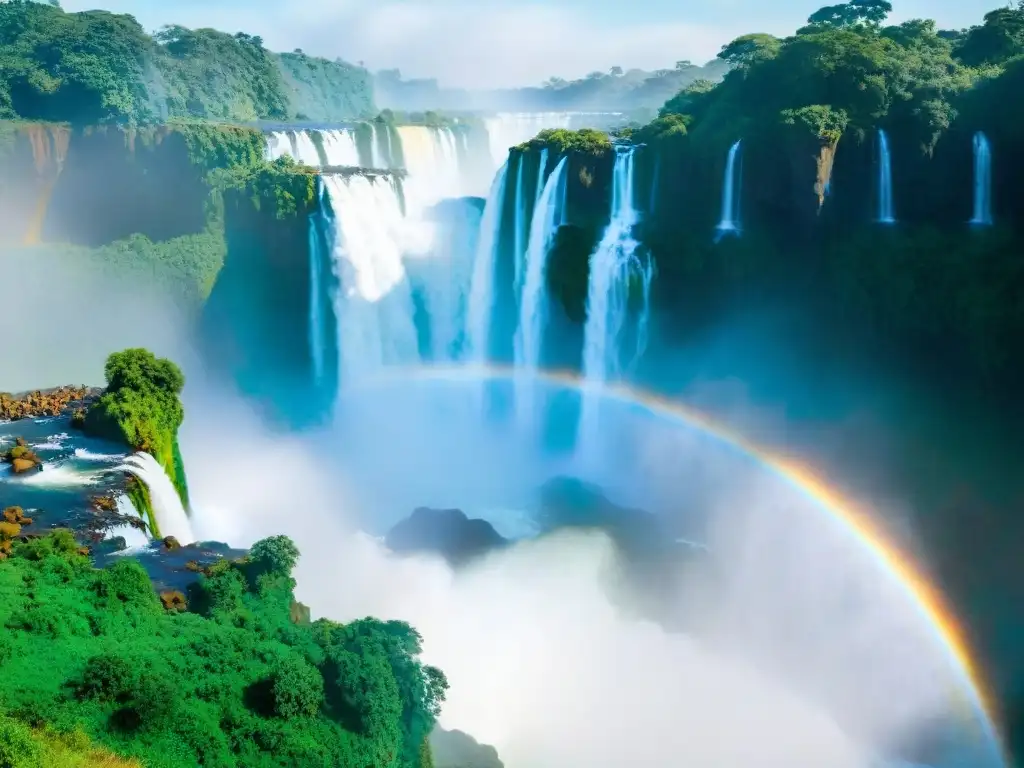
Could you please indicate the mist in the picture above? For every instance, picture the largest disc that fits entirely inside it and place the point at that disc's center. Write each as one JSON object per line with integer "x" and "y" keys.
{"x": 67, "y": 316}
{"x": 795, "y": 640}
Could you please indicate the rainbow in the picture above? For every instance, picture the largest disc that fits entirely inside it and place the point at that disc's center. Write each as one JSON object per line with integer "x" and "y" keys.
{"x": 928, "y": 600}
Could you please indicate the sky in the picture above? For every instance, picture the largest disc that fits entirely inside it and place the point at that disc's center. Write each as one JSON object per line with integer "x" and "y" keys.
{"x": 508, "y": 43}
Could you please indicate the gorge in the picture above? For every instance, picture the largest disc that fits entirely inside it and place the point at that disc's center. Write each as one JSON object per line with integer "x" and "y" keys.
{"x": 764, "y": 342}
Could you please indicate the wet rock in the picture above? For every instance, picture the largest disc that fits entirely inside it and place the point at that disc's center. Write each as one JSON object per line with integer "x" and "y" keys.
{"x": 104, "y": 503}
{"x": 173, "y": 600}
{"x": 170, "y": 543}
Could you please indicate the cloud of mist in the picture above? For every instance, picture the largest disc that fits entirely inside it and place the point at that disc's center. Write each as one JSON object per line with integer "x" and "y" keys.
{"x": 798, "y": 642}
{"x": 66, "y": 317}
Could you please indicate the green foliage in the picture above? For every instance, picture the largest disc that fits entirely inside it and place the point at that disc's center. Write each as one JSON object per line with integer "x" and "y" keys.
{"x": 559, "y": 141}
{"x": 997, "y": 40}
{"x": 843, "y": 71}
{"x": 283, "y": 187}
{"x": 83, "y": 67}
{"x": 215, "y": 75}
{"x": 852, "y": 13}
{"x": 750, "y": 49}
{"x": 664, "y": 128}
{"x": 822, "y": 122}
{"x": 234, "y": 684}
{"x": 24, "y": 747}
{"x": 95, "y": 66}
{"x": 325, "y": 91}
{"x": 140, "y": 408}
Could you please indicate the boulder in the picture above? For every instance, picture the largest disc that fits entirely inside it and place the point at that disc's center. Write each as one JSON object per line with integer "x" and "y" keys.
{"x": 23, "y": 465}
{"x": 445, "y": 532}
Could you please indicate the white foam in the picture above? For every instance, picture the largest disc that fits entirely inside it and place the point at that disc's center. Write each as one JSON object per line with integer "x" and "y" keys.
{"x": 86, "y": 455}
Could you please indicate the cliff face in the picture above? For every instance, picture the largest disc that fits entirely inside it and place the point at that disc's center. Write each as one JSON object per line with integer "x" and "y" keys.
{"x": 91, "y": 186}
{"x": 32, "y": 157}
{"x": 930, "y": 293}
{"x": 255, "y": 325}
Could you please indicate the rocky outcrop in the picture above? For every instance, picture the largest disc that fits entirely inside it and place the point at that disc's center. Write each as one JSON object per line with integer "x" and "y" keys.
{"x": 44, "y": 403}
{"x": 446, "y": 532}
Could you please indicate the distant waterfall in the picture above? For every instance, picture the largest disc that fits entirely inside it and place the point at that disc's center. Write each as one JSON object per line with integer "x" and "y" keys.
{"x": 982, "y": 181}
{"x": 730, "y": 222}
{"x": 339, "y": 147}
{"x": 376, "y": 159}
{"x": 432, "y": 164}
{"x": 171, "y": 518}
{"x": 316, "y": 313}
{"x": 373, "y": 304}
{"x": 885, "y": 208}
{"x": 532, "y": 304}
{"x": 481, "y": 296}
{"x": 615, "y": 270}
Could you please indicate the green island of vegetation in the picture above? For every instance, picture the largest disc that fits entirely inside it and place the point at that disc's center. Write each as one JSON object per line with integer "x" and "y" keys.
{"x": 141, "y": 409}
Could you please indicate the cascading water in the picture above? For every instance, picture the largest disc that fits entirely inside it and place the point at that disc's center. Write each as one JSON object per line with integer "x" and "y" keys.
{"x": 432, "y": 164}
{"x": 614, "y": 270}
{"x": 481, "y": 295}
{"x": 730, "y": 223}
{"x": 373, "y": 304}
{"x": 376, "y": 161}
{"x": 316, "y": 314}
{"x": 885, "y": 207}
{"x": 340, "y": 148}
{"x": 982, "y": 181}
{"x": 519, "y": 228}
{"x": 532, "y": 304}
{"x": 171, "y": 517}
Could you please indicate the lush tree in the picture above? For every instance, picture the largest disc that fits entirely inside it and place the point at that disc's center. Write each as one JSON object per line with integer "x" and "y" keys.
{"x": 852, "y": 13}
{"x": 749, "y": 49}
{"x": 998, "y": 39}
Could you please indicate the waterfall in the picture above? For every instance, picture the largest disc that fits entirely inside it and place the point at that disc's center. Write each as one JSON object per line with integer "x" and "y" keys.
{"x": 481, "y": 295}
{"x": 518, "y": 227}
{"x": 982, "y": 181}
{"x": 375, "y": 157}
{"x": 532, "y": 304}
{"x": 730, "y": 222}
{"x": 316, "y": 315}
{"x": 373, "y": 304}
{"x": 340, "y": 148}
{"x": 432, "y": 164}
{"x": 885, "y": 209}
{"x": 615, "y": 269}
{"x": 170, "y": 515}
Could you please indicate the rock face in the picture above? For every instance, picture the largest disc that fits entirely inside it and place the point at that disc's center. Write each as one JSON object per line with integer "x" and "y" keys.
{"x": 455, "y": 749}
{"x": 446, "y": 532}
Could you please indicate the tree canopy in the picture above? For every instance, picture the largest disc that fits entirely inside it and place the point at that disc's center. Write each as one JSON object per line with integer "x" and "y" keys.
{"x": 232, "y": 681}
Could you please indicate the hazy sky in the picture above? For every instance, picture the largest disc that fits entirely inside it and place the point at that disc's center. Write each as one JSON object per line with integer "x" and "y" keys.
{"x": 489, "y": 43}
